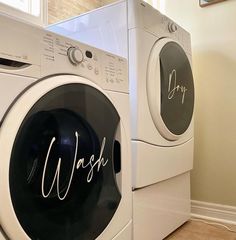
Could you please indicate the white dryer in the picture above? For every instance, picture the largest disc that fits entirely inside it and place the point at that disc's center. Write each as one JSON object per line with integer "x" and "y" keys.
{"x": 65, "y": 168}
{"x": 162, "y": 102}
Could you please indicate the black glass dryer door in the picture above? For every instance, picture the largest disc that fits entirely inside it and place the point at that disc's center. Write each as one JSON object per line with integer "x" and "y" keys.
{"x": 177, "y": 88}
{"x": 62, "y": 178}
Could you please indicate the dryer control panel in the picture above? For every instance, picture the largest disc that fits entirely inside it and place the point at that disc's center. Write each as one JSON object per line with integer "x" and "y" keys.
{"x": 161, "y": 26}
{"x": 62, "y": 55}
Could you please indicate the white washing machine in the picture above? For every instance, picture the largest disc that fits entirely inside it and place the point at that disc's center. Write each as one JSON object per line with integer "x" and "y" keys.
{"x": 65, "y": 169}
{"x": 162, "y": 102}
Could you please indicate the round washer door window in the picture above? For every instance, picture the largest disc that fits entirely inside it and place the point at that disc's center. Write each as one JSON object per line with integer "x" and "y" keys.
{"x": 170, "y": 89}
{"x": 62, "y": 172}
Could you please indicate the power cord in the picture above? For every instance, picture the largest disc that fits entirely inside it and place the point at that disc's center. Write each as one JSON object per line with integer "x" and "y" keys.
{"x": 213, "y": 224}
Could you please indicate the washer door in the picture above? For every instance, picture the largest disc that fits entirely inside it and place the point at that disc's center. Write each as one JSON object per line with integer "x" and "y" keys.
{"x": 59, "y": 160}
{"x": 170, "y": 89}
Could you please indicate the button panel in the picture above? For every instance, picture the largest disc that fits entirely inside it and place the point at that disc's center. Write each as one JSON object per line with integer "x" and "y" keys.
{"x": 114, "y": 69}
{"x": 115, "y": 72}
{"x": 162, "y": 26}
{"x": 175, "y": 32}
{"x": 62, "y": 55}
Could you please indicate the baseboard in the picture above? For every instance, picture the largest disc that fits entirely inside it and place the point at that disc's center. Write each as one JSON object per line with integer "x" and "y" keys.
{"x": 214, "y": 212}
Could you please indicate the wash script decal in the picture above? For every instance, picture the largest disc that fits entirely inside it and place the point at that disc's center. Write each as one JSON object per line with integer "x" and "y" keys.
{"x": 92, "y": 165}
{"x": 173, "y": 88}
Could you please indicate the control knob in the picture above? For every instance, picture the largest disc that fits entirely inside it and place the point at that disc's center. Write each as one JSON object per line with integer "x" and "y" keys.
{"x": 172, "y": 27}
{"x": 75, "y": 55}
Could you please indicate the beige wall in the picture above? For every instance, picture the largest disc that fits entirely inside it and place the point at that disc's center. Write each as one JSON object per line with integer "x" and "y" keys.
{"x": 149, "y": 1}
{"x": 213, "y": 31}
{"x": 62, "y": 9}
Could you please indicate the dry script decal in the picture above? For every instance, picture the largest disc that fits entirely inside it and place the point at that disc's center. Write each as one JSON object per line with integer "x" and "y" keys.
{"x": 92, "y": 165}
{"x": 173, "y": 88}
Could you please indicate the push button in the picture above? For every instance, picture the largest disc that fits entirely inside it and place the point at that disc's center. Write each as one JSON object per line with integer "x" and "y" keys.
{"x": 89, "y": 66}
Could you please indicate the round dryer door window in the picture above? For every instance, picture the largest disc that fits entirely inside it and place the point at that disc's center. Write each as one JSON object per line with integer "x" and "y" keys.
{"x": 170, "y": 89}
{"x": 63, "y": 165}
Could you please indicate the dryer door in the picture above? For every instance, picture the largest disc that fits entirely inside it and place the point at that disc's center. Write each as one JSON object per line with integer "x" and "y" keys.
{"x": 60, "y": 157}
{"x": 170, "y": 89}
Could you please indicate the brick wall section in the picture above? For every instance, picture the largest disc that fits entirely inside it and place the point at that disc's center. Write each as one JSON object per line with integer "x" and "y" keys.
{"x": 105, "y": 2}
{"x": 62, "y": 9}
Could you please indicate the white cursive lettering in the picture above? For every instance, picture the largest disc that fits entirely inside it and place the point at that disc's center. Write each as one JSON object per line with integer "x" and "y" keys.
{"x": 100, "y": 162}
{"x": 175, "y": 88}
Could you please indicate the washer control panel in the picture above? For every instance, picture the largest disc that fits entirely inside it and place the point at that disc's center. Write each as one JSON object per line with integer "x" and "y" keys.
{"x": 63, "y": 55}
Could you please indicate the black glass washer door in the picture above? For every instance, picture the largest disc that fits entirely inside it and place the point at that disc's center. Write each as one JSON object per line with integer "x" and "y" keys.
{"x": 170, "y": 68}
{"x": 61, "y": 176}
